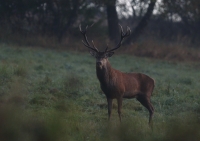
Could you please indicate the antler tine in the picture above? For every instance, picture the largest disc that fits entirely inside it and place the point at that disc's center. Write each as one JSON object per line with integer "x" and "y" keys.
{"x": 128, "y": 28}
{"x": 122, "y": 32}
{"x": 106, "y": 48}
{"x": 80, "y": 28}
{"x": 123, "y": 35}
{"x": 83, "y": 32}
{"x": 92, "y": 25}
{"x": 86, "y": 42}
{"x": 94, "y": 46}
{"x": 128, "y": 31}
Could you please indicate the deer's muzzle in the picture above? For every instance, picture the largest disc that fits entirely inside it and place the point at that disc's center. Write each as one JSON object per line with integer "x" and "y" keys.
{"x": 98, "y": 63}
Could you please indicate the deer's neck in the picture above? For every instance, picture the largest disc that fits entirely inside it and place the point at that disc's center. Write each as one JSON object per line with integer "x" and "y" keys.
{"x": 104, "y": 74}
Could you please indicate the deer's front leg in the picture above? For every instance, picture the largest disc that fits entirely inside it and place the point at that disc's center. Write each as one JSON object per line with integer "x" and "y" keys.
{"x": 119, "y": 102}
{"x": 109, "y": 107}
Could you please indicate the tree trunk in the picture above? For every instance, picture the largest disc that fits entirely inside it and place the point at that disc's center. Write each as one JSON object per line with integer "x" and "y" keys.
{"x": 112, "y": 18}
{"x": 72, "y": 18}
{"x": 142, "y": 24}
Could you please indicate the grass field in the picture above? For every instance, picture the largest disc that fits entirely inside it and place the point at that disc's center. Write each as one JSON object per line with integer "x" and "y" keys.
{"x": 52, "y": 95}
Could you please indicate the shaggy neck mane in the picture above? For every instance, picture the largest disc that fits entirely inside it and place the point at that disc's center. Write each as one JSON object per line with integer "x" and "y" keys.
{"x": 104, "y": 74}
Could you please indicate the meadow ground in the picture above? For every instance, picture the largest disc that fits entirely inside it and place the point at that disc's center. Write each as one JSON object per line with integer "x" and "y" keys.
{"x": 52, "y": 95}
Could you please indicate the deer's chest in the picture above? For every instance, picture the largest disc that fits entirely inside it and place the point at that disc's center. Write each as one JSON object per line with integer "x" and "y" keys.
{"x": 112, "y": 88}
{"x": 111, "y": 82}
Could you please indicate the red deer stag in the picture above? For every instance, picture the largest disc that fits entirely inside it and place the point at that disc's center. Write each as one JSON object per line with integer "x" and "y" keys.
{"x": 116, "y": 84}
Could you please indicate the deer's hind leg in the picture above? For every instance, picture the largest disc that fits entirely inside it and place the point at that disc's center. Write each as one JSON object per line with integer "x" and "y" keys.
{"x": 145, "y": 101}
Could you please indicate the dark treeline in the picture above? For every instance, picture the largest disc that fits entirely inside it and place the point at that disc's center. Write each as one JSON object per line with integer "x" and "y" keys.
{"x": 60, "y": 18}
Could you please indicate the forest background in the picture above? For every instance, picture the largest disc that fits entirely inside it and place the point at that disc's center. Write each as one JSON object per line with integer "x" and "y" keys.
{"x": 160, "y": 29}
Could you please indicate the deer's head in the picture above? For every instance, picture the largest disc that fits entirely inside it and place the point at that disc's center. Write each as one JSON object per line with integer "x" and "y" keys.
{"x": 102, "y": 57}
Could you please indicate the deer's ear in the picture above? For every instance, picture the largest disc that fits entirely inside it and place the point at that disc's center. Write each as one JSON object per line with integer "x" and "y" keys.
{"x": 93, "y": 53}
{"x": 109, "y": 54}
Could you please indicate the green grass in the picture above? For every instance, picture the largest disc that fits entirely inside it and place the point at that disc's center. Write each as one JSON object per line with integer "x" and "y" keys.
{"x": 55, "y": 95}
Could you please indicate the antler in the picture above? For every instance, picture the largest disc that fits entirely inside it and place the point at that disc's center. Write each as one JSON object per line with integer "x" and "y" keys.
{"x": 123, "y": 35}
{"x": 86, "y": 42}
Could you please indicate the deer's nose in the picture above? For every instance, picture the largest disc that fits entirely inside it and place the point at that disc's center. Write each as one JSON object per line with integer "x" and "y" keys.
{"x": 98, "y": 63}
